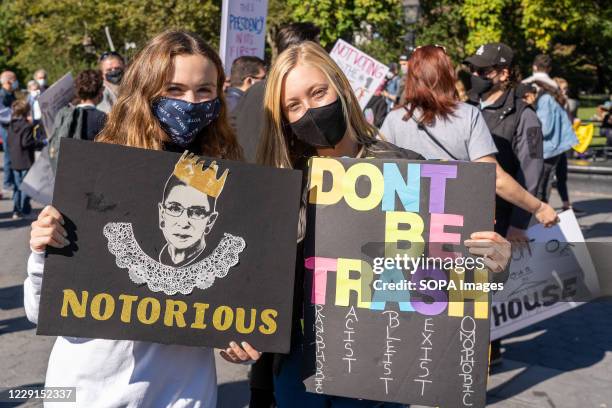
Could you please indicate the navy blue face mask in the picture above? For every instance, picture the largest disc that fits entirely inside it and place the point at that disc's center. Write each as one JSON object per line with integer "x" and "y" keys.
{"x": 182, "y": 120}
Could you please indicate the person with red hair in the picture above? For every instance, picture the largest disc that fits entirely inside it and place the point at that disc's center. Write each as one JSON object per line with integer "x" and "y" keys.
{"x": 436, "y": 124}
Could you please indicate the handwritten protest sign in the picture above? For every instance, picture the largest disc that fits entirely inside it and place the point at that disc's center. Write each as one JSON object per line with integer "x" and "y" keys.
{"x": 171, "y": 249}
{"x": 395, "y": 307}
{"x": 243, "y": 30}
{"x": 363, "y": 72}
{"x": 554, "y": 275}
{"x": 55, "y": 98}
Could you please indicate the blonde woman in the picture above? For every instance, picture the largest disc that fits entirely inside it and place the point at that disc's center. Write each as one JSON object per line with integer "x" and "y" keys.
{"x": 179, "y": 70}
{"x": 310, "y": 110}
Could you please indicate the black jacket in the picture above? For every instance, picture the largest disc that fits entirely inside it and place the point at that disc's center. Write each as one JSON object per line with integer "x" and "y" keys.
{"x": 247, "y": 119}
{"x": 517, "y": 133}
{"x": 21, "y": 144}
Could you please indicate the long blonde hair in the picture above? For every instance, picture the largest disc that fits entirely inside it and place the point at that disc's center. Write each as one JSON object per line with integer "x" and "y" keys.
{"x": 131, "y": 121}
{"x": 277, "y": 146}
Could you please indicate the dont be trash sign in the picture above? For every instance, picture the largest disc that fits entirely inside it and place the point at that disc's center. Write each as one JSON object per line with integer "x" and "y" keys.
{"x": 413, "y": 331}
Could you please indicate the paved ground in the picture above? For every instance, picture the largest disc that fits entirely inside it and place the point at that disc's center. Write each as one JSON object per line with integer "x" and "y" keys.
{"x": 563, "y": 362}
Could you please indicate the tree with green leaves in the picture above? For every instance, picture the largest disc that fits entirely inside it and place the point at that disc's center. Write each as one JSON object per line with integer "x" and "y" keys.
{"x": 69, "y": 34}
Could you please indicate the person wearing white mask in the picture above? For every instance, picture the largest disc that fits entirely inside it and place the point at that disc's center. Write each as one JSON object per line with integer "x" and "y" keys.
{"x": 40, "y": 76}
{"x": 34, "y": 90}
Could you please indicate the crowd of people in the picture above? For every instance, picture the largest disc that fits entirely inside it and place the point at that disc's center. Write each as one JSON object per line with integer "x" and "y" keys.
{"x": 302, "y": 106}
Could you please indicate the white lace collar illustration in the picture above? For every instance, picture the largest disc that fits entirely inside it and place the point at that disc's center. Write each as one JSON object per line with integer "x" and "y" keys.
{"x": 163, "y": 278}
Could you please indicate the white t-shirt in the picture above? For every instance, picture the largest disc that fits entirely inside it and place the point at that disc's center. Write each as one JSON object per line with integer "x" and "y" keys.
{"x": 124, "y": 373}
{"x": 464, "y": 134}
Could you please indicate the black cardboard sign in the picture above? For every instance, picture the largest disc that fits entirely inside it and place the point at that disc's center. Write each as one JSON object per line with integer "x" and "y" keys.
{"x": 171, "y": 249}
{"x": 416, "y": 346}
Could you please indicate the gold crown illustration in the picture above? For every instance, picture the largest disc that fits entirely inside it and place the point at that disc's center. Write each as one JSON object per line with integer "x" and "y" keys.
{"x": 192, "y": 173}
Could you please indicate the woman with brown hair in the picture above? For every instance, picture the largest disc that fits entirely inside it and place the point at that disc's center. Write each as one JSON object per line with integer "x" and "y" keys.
{"x": 170, "y": 99}
{"x": 310, "y": 110}
{"x": 436, "y": 124}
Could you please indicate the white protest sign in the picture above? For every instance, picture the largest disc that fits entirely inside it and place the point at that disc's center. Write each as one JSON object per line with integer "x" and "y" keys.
{"x": 363, "y": 72}
{"x": 55, "y": 98}
{"x": 243, "y": 30}
{"x": 555, "y": 275}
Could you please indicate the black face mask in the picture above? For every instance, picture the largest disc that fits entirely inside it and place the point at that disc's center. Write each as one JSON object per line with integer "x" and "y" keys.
{"x": 114, "y": 76}
{"x": 480, "y": 85}
{"x": 321, "y": 127}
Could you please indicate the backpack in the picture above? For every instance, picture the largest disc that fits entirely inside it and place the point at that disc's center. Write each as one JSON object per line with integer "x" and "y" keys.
{"x": 68, "y": 123}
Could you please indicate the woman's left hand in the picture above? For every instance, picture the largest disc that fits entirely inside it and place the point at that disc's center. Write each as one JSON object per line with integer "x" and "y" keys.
{"x": 240, "y": 355}
{"x": 494, "y": 249}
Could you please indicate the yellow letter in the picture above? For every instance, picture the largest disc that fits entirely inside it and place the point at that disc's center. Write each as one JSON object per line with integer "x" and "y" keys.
{"x": 219, "y": 321}
{"x": 377, "y": 186}
{"x": 175, "y": 310}
{"x": 240, "y": 316}
{"x": 141, "y": 312}
{"x": 457, "y": 297}
{"x": 267, "y": 318}
{"x": 109, "y": 306}
{"x": 199, "y": 317}
{"x": 394, "y": 235}
{"x": 70, "y": 299}
{"x": 126, "y": 310}
{"x": 344, "y": 285}
{"x": 319, "y": 165}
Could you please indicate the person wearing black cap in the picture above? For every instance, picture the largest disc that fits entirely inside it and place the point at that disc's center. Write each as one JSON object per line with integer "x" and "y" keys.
{"x": 517, "y": 134}
{"x": 514, "y": 125}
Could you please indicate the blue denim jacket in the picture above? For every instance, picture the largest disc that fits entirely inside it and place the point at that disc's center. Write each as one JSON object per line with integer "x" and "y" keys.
{"x": 557, "y": 129}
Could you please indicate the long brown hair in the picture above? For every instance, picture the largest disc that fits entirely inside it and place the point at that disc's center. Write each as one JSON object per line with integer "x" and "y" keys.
{"x": 430, "y": 84}
{"x": 276, "y": 147}
{"x": 131, "y": 121}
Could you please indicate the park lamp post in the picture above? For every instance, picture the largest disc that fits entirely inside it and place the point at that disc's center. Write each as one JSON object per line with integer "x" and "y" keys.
{"x": 411, "y": 10}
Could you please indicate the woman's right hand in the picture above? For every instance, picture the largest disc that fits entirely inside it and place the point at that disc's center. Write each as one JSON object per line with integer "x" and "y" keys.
{"x": 48, "y": 230}
{"x": 546, "y": 215}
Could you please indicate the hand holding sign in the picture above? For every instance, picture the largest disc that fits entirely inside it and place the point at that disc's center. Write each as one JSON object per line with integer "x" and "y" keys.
{"x": 240, "y": 355}
{"x": 48, "y": 230}
{"x": 494, "y": 249}
{"x": 546, "y": 215}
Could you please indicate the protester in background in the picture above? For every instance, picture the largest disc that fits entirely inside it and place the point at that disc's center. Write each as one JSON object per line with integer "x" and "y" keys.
{"x": 89, "y": 86}
{"x": 9, "y": 84}
{"x": 571, "y": 108}
{"x": 81, "y": 121}
{"x": 246, "y": 72}
{"x": 21, "y": 146}
{"x": 571, "y": 104}
{"x": 434, "y": 123}
{"x": 391, "y": 90}
{"x": 558, "y": 133}
{"x": 177, "y": 69}
{"x": 403, "y": 62}
{"x": 517, "y": 134}
{"x": 33, "y": 94}
{"x": 112, "y": 65}
{"x": 310, "y": 109}
{"x": 542, "y": 65}
{"x": 376, "y": 109}
{"x": 606, "y": 121}
{"x": 514, "y": 125}
{"x": 248, "y": 114}
{"x": 33, "y": 89}
{"x": 40, "y": 76}
{"x": 528, "y": 93}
